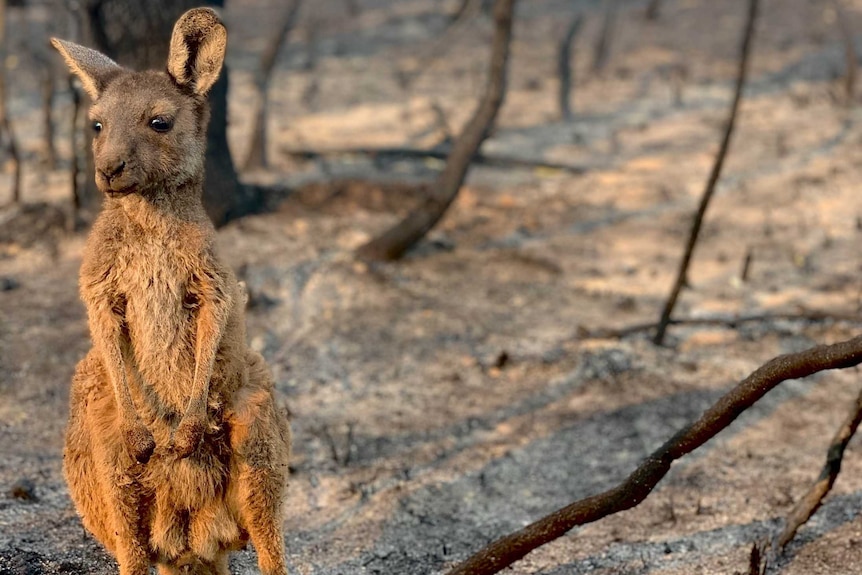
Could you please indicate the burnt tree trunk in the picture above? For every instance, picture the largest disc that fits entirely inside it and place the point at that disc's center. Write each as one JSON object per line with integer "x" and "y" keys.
{"x": 850, "y": 60}
{"x": 603, "y": 45}
{"x": 396, "y": 241}
{"x": 136, "y": 34}
{"x": 564, "y": 66}
{"x": 48, "y": 149}
{"x": 75, "y": 173}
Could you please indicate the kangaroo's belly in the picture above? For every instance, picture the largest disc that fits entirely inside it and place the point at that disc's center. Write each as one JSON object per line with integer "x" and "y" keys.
{"x": 194, "y": 511}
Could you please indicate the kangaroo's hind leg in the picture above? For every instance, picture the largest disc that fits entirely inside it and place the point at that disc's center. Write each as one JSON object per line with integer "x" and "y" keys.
{"x": 260, "y": 440}
{"x": 99, "y": 471}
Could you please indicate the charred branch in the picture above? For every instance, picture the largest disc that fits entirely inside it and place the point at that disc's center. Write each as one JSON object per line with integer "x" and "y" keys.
{"x": 396, "y": 241}
{"x": 714, "y": 175}
{"x": 438, "y": 153}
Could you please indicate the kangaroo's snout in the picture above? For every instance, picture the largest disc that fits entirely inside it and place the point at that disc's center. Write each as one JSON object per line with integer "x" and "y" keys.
{"x": 112, "y": 169}
{"x": 113, "y": 177}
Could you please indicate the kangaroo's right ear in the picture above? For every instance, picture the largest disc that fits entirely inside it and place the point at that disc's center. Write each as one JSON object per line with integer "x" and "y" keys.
{"x": 93, "y": 68}
{"x": 196, "y": 54}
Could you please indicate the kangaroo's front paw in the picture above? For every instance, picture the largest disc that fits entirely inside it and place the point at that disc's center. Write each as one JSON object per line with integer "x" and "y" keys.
{"x": 139, "y": 442}
{"x": 187, "y": 436}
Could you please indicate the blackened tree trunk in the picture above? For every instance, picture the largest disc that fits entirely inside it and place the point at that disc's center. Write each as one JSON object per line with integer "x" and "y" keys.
{"x": 564, "y": 66}
{"x": 136, "y": 34}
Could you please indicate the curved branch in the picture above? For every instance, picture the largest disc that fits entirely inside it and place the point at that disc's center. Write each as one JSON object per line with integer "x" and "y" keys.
{"x": 713, "y": 176}
{"x": 641, "y": 482}
{"x": 395, "y": 242}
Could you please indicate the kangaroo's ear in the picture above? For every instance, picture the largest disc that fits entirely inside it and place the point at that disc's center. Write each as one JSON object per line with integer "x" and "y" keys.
{"x": 197, "y": 50}
{"x": 93, "y": 68}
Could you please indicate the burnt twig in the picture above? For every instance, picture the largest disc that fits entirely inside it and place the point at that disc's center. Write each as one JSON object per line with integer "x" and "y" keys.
{"x": 713, "y": 176}
{"x": 813, "y": 498}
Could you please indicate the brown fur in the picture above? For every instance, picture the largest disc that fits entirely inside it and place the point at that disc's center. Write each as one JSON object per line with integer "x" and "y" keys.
{"x": 175, "y": 450}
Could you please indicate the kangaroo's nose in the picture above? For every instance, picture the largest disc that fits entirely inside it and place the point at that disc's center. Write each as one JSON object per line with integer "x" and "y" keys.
{"x": 113, "y": 170}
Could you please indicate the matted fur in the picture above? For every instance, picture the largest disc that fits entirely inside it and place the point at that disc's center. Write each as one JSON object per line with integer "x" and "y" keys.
{"x": 175, "y": 450}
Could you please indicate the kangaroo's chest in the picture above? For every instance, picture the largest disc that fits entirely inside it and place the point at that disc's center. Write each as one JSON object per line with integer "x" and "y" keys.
{"x": 154, "y": 282}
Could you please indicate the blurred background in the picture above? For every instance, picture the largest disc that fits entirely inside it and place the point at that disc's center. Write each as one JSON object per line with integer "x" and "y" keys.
{"x": 489, "y": 376}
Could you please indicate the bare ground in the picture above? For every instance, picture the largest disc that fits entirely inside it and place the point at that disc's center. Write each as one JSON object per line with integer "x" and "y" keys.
{"x": 446, "y": 400}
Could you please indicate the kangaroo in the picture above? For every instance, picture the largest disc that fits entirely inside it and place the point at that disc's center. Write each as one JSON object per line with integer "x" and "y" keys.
{"x": 175, "y": 451}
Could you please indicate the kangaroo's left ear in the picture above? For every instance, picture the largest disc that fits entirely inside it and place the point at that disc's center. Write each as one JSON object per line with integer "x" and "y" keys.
{"x": 197, "y": 50}
{"x": 93, "y": 68}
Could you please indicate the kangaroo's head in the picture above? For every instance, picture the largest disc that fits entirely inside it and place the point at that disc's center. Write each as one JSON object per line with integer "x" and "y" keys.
{"x": 149, "y": 128}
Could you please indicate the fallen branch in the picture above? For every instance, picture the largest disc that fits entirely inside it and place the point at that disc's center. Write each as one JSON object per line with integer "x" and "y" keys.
{"x": 503, "y": 552}
{"x": 713, "y": 176}
{"x": 438, "y": 153}
{"x": 729, "y": 322}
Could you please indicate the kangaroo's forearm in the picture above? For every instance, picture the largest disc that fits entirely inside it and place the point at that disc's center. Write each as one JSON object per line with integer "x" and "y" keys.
{"x": 107, "y": 338}
{"x": 208, "y": 336}
{"x": 210, "y": 324}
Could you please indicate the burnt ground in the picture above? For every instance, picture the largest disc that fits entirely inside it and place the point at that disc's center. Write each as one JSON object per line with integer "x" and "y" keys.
{"x": 446, "y": 400}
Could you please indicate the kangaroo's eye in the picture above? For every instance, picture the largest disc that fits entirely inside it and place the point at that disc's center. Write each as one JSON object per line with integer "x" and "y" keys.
{"x": 97, "y": 127}
{"x": 161, "y": 124}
